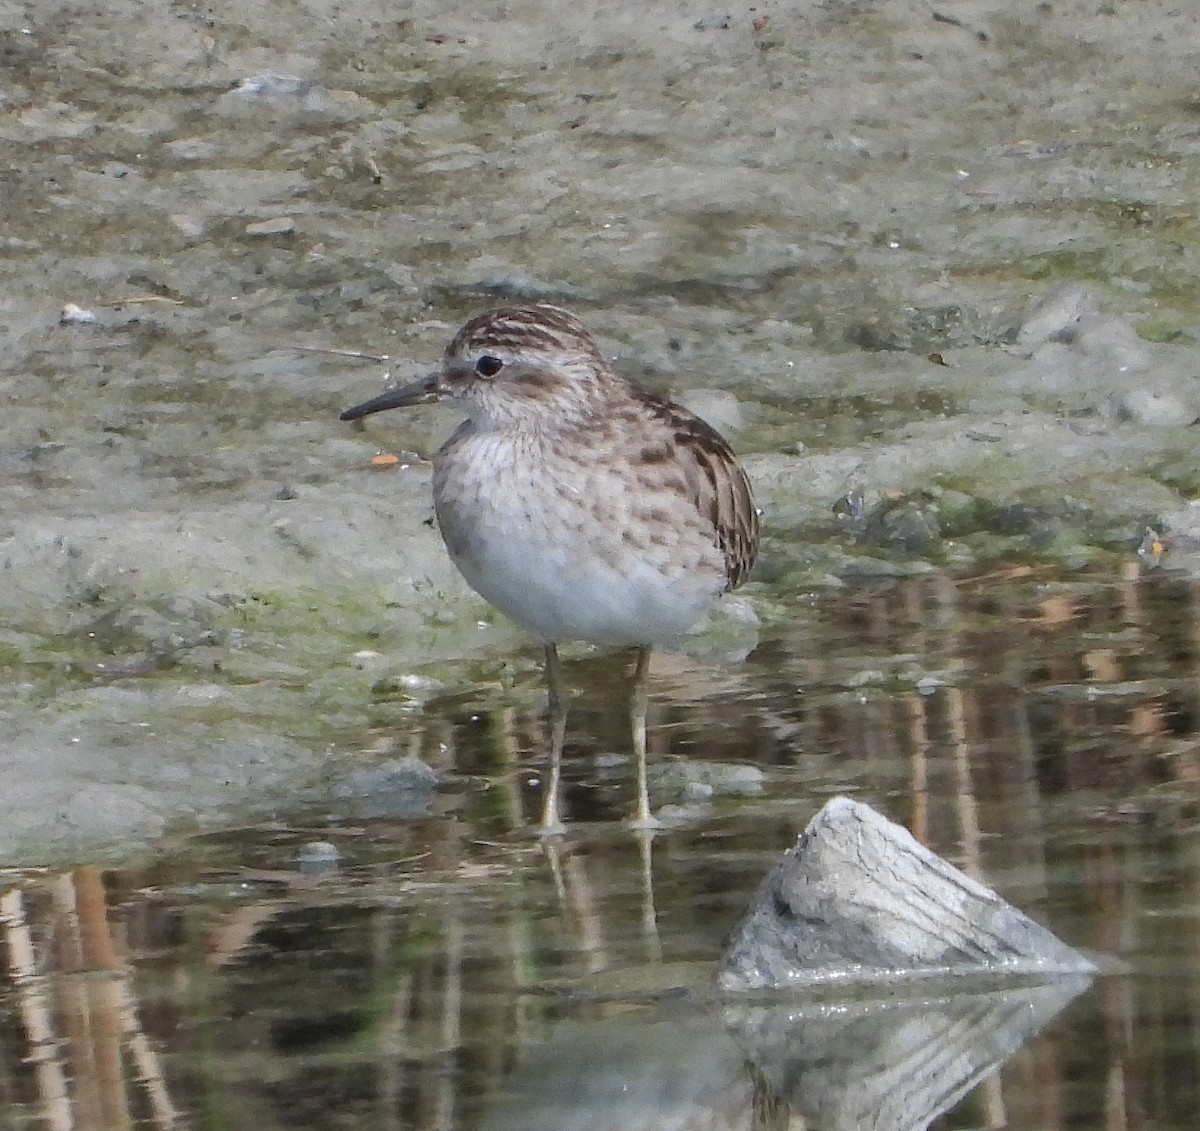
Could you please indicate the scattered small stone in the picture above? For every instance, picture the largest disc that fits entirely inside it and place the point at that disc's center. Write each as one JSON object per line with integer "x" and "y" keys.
{"x": 284, "y": 492}
{"x": 318, "y": 857}
{"x": 59, "y": 120}
{"x": 1156, "y": 410}
{"x": 192, "y": 149}
{"x": 717, "y": 407}
{"x": 73, "y": 315}
{"x": 685, "y": 813}
{"x": 691, "y": 781}
{"x": 909, "y": 523}
{"x": 190, "y": 226}
{"x": 367, "y": 660}
{"x": 402, "y": 787}
{"x": 278, "y": 226}
{"x": 1114, "y": 342}
{"x": 696, "y": 791}
{"x": 277, "y": 92}
{"x": 1057, "y": 318}
{"x": 410, "y": 681}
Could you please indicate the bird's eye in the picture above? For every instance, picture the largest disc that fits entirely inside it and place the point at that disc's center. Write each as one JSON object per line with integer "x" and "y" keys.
{"x": 488, "y": 366}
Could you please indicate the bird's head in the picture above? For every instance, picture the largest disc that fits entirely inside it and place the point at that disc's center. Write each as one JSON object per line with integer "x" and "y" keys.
{"x": 513, "y": 367}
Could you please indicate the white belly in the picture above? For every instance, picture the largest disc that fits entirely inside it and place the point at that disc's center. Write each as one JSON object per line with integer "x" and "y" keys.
{"x": 571, "y": 551}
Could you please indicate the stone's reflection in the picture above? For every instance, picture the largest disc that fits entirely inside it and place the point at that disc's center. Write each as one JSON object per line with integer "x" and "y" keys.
{"x": 887, "y": 1064}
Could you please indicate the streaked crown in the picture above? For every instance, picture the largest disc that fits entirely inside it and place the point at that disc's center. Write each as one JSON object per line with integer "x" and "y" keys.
{"x": 516, "y": 330}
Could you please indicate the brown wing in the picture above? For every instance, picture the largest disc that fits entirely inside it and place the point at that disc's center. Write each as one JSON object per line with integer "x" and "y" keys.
{"x": 716, "y": 484}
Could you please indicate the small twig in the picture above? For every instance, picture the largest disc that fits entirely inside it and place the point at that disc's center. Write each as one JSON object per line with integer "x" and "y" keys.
{"x": 344, "y": 353}
{"x": 116, "y": 303}
{"x": 954, "y": 21}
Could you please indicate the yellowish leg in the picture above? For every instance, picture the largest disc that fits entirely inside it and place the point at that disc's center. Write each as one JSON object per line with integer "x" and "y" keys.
{"x": 638, "y": 706}
{"x": 551, "y": 821}
{"x": 645, "y": 839}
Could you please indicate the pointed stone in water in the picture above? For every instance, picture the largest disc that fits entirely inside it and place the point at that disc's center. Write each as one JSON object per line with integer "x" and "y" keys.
{"x": 860, "y": 900}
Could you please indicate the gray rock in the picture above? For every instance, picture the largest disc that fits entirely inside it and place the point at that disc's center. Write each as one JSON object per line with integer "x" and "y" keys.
{"x": 402, "y": 787}
{"x": 860, "y": 900}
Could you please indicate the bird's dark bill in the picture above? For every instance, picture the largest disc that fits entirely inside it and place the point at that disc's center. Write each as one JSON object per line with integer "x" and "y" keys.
{"x": 423, "y": 391}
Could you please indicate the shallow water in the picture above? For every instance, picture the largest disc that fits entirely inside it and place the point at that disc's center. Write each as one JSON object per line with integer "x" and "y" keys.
{"x": 447, "y": 970}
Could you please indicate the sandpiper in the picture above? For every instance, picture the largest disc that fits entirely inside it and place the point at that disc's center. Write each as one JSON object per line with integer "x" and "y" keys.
{"x": 578, "y": 505}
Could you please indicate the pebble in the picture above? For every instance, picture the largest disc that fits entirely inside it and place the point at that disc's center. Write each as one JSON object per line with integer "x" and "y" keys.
{"x": 276, "y": 92}
{"x": 714, "y": 406}
{"x": 317, "y": 857}
{"x": 1156, "y": 410}
{"x": 76, "y": 315}
{"x": 190, "y": 226}
{"x": 278, "y": 226}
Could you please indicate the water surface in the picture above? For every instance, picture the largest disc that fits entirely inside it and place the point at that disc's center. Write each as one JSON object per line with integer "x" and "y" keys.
{"x": 451, "y": 971}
